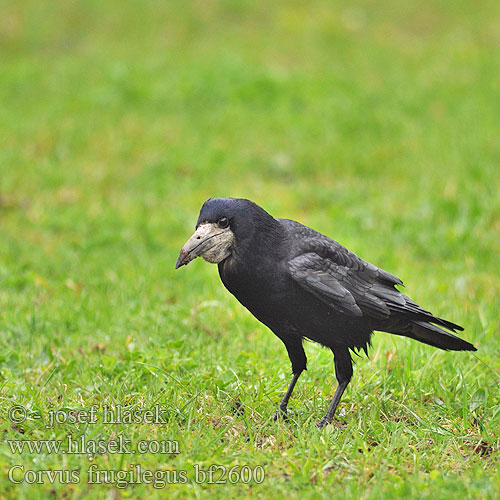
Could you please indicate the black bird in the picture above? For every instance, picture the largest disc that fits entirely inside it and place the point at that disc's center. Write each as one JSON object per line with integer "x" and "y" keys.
{"x": 302, "y": 284}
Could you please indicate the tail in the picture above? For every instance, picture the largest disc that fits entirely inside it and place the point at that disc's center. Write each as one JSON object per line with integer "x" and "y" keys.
{"x": 437, "y": 337}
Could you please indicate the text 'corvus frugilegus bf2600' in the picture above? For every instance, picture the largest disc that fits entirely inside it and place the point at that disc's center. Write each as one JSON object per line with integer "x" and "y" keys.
{"x": 302, "y": 284}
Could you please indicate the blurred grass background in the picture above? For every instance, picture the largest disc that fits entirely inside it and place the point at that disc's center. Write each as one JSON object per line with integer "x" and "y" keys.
{"x": 375, "y": 123}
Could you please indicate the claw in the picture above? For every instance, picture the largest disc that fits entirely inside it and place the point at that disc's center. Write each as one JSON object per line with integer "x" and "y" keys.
{"x": 280, "y": 413}
{"x": 324, "y": 421}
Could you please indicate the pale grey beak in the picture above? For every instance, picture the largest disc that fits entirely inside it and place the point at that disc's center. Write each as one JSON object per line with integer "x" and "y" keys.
{"x": 208, "y": 241}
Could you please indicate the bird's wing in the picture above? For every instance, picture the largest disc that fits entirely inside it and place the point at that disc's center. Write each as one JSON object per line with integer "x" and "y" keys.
{"x": 341, "y": 279}
{"x": 350, "y": 286}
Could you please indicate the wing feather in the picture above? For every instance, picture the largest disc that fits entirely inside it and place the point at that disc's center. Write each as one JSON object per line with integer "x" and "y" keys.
{"x": 354, "y": 287}
{"x": 339, "y": 286}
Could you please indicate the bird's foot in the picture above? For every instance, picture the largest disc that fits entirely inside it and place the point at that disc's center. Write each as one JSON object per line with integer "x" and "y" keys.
{"x": 324, "y": 421}
{"x": 280, "y": 413}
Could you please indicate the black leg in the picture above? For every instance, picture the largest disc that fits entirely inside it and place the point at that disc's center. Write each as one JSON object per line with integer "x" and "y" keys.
{"x": 298, "y": 358}
{"x": 281, "y": 411}
{"x": 343, "y": 372}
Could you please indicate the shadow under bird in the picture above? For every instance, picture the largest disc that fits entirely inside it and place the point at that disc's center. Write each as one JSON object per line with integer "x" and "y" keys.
{"x": 302, "y": 284}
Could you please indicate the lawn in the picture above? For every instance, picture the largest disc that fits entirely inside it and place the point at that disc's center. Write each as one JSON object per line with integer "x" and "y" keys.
{"x": 377, "y": 123}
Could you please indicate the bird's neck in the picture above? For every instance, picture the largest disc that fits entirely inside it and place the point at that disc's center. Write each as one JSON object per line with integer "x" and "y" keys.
{"x": 262, "y": 248}
{"x": 265, "y": 242}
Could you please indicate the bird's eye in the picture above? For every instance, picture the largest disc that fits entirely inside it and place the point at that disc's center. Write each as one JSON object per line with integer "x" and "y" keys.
{"x": 223, "y": 222}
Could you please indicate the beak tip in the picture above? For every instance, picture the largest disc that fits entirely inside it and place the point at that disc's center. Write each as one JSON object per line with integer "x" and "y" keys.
{"x": 181, "y": 260}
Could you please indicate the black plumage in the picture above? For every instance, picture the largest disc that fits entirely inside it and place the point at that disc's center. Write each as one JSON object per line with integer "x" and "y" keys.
{"x": 302, "y": 284}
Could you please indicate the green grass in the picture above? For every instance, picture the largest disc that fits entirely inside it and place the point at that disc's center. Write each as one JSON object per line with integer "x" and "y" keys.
{"x": 377, "y": 123}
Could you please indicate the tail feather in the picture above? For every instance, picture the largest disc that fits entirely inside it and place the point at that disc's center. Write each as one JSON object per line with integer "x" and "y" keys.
{"x": 437, "y": 337}
{"x": 447, "y": 324}
{"x": 413, "y": 312}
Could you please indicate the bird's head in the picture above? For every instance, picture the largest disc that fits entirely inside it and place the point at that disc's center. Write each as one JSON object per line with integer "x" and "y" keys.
{"x": 222, "y": 222}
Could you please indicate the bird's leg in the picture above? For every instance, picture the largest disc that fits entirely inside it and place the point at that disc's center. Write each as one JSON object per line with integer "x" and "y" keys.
{"x": 281, "y": 411}
{"x": 299, "y": 361}
{"x": 327, "y": 419}
{"x": 343, "y": 372}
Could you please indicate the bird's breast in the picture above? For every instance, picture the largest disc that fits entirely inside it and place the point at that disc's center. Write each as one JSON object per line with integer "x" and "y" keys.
{"x": 258, "y": 289}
